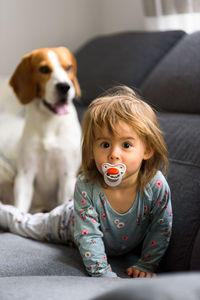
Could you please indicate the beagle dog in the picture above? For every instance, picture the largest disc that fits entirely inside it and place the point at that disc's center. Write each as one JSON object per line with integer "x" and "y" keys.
{"x": 49, "y": 154}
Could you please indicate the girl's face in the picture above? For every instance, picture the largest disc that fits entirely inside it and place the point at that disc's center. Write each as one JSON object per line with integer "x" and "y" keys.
{"x": 124, "y": 147}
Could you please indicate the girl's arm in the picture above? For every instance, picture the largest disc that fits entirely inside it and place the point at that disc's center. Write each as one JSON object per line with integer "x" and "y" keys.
{"x": 87, "y": 233}
{"x": 158, "y": 235}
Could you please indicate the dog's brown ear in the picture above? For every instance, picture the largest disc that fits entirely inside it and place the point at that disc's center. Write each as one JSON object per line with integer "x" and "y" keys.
{"x": 22, "y": 81}
{"x": 74, "y": 79}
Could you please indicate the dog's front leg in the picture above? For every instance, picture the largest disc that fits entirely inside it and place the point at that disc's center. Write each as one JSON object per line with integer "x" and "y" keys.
{"x": 23, "y": 191}
{"x": 66, "y": 188}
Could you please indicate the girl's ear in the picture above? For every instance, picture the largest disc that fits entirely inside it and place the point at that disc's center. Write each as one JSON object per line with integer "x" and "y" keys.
{"x": 149, "y": 152}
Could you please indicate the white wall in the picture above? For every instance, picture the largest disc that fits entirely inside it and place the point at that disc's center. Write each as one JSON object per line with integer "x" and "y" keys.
{"x": 29, "y": 24}
{"x": 121, "y": 15}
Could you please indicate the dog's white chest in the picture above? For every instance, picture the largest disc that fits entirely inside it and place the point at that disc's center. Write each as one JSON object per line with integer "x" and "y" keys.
{"x": 50, "y": 153}
{"x": 49, "y": 143}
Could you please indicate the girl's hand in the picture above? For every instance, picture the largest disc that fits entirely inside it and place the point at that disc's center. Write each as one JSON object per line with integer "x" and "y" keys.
{"x": 138, "y": 274}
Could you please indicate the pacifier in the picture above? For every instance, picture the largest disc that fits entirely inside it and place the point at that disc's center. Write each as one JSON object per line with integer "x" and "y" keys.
{"x": 113, "y": 173}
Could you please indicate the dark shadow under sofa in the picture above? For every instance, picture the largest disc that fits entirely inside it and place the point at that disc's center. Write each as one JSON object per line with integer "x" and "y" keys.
{"x": 164, "y": 68}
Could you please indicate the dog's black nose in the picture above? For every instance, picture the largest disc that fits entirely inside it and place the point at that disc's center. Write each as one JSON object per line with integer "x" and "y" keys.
{"x": 62, "y": 88}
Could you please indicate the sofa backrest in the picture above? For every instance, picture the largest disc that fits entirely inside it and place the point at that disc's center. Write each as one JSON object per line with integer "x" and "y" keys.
{"x": 174, "y": 84}
{"x": 124, "y": 58}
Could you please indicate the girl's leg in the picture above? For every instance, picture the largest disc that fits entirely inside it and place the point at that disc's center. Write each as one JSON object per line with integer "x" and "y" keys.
{"x": 55, "y": 226}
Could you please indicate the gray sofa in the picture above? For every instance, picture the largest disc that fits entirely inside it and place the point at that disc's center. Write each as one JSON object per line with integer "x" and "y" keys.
{"x": 164, "y": 68}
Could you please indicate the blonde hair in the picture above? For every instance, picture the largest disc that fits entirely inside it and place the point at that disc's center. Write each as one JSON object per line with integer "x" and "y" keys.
{"x": 122, "y": 104}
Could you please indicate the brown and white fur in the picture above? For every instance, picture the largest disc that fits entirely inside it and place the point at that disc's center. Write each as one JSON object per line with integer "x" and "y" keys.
{"x": 49, "y": 155}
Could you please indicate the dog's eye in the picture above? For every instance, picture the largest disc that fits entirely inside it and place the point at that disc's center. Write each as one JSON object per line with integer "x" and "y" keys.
{"x": 69, "y": 68}
{"x": 45, "y": 70}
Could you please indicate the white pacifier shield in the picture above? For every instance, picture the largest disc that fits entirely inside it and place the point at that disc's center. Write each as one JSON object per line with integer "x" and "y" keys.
{"x": 113, "y": 173}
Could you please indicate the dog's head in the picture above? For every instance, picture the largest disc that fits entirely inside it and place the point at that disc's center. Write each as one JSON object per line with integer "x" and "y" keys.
{"x": 48, "y": 74}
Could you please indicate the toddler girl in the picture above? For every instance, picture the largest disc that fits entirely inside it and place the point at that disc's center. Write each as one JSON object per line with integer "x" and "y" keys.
{"x": 121, "y": 198}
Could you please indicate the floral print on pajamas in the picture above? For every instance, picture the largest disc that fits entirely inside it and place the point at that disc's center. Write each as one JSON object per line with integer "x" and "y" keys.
{"x": 98, "y": 230}
{"x": 55, "y": 226}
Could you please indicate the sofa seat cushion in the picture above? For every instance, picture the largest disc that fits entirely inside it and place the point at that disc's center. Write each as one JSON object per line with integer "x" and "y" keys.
{"x": 122, "y": 58}
{"x": 182, "y": 286}
{"x": 25, "y": 257}
{"x": 173, "y": 85}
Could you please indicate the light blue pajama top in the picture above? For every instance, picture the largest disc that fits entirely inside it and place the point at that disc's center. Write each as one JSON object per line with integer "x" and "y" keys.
{"x": 100, "y": 231}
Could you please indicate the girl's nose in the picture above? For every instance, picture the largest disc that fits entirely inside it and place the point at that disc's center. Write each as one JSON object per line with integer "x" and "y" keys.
{"x": 114, "y": 154}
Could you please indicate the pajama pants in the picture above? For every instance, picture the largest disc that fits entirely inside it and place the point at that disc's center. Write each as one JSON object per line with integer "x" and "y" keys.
{"x": 55, "y": 226}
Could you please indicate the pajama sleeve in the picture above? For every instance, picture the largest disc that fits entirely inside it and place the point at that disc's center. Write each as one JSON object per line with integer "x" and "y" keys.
{"x": 87, "y": 233}
{"x": 158, "y": 235}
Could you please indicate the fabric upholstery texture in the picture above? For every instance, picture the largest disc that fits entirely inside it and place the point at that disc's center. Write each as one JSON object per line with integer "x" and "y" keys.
{"x": 26, "y": 257}
{"x": 173, "y": 85}
{"x": 173, "y": 287}
{"x": 185, "y": 188}
{"x": 182, "y": 135}
{"x": 117, "y": 59}
{"x": 194, "y": 264}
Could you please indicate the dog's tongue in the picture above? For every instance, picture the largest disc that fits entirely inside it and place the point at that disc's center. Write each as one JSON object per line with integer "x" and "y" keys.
{"x": 61, "y": 109}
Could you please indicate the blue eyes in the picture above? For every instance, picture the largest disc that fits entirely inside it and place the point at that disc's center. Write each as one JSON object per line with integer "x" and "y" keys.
{"x": 125, "y": 145}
